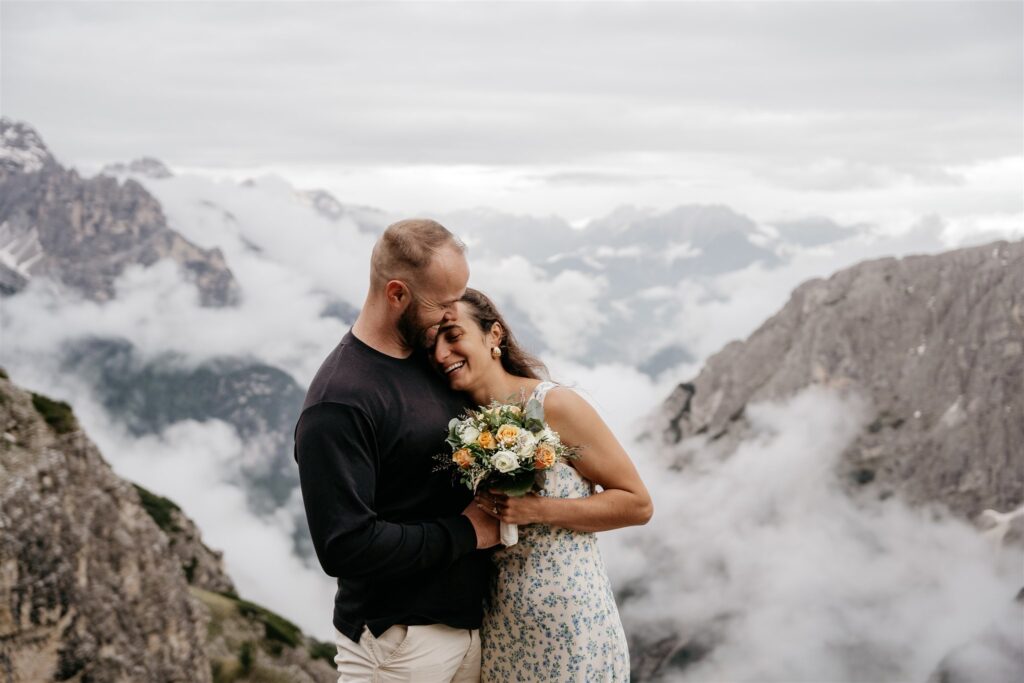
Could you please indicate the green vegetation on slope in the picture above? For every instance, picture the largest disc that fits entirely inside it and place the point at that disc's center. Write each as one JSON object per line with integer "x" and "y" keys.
{"x": 56, "y": 413}
{"x": 159, "y": 508}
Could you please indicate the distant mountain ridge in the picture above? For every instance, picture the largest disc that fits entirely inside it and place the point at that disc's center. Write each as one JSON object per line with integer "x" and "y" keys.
{"x": 261, "y": 402}
{"x": 84, "y": 232}
{"x": 146, "y": 166}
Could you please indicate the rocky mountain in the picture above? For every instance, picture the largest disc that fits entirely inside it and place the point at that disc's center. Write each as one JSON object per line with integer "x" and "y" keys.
{"x": 88, "y": 590}
{"x": 937, "y": 345}
{"x": 101, "y": 580}
{"x": 144, "y": 166}
{"x": 813, "y": 231}
{"x": 84, "y": 232}
{"x": 367, "y": 218}
{"x": 723, "y": 239}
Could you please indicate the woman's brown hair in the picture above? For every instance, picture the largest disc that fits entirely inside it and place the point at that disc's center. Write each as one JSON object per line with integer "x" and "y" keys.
{"x": 516, "y": 360}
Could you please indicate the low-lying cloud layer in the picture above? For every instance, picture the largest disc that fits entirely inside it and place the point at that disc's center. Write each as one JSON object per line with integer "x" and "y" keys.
{"x": 767, "y": 570}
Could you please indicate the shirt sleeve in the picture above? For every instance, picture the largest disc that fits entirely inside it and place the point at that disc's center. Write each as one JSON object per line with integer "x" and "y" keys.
{"x": 338, "y": 465}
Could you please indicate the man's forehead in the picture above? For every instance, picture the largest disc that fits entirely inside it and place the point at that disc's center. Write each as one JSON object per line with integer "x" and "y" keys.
{"x": 449, "y": 268}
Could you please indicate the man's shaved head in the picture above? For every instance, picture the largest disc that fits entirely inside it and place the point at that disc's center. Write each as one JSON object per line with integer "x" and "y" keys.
{"x": 406, "y": 249}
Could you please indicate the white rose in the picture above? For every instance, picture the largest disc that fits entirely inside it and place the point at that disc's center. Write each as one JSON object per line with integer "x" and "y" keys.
{"x": 505, "y": 461}
{"x": 469, "y": 434}
{"x": 525, "y": 445}
{"x": 547, "y": 435}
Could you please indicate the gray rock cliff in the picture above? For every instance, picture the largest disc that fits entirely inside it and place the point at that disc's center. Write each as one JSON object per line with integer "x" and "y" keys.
{"x": 88, "y": 590}
{"x": 937, "y": 345}
{"x": 84, "y": 232}
{"x": 102, "y": 580}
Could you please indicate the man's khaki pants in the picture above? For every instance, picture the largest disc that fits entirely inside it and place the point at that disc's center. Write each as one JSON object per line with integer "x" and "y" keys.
{"x": 427, "y": 654}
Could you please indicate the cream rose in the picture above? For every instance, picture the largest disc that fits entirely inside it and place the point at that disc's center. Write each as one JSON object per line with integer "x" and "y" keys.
{"x": 463, "y": 458}
{"x": 525, "y": 444}
{"x": 507, "y": 435}
{"x": 505, "y": 461}
{"x": 544, "y": 457}
{"x": 469, "y": 434}
{"x": 486, "y": 440}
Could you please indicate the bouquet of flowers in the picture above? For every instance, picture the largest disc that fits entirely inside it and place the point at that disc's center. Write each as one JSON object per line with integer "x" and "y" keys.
{"x": 504, "y": 446}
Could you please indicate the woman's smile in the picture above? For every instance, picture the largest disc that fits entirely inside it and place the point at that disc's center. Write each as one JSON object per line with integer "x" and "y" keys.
{"x": 449, "y": 358}
{"x": 453, "y": 368}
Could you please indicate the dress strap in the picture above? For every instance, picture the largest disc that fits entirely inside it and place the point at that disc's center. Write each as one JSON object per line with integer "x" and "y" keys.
{"x": 541, "y": 390}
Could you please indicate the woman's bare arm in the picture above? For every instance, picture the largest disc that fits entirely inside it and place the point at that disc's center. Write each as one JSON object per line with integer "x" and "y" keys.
{"x": 624, "y": 500}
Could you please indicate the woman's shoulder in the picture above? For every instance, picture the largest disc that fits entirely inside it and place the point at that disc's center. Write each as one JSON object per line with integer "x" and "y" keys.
{"x": 561, "y": 401}
{"x": 571, "y": 415}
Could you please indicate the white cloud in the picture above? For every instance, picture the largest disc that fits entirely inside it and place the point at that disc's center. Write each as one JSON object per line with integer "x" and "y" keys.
{"x": 764, "y": 558}
{"x": 565, "y": 308}
{"x": 278, "y": 323}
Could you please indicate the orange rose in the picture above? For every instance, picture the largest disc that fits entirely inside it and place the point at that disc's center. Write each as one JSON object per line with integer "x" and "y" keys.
{"x": 463, "y": 458}
{"x": 544, "y": 457}
{"x": 507, "y": 434}
{"x": 486, "y": 440}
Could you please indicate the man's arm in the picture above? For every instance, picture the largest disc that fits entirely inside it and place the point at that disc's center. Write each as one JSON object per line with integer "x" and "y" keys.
{"x": 337, "y": 458}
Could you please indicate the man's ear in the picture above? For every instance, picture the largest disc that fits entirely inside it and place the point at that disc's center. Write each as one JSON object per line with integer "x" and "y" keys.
{"x": 397, "y": 293}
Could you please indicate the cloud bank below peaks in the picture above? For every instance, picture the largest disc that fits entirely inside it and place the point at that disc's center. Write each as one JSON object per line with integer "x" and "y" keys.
{"x": 760, "y": 567}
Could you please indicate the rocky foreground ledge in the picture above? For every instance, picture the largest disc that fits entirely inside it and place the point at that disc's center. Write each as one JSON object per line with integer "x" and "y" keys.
{"x": 102, "y": 580}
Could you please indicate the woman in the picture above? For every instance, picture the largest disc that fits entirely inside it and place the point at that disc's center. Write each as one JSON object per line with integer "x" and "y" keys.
{"x": 550, "y": 615}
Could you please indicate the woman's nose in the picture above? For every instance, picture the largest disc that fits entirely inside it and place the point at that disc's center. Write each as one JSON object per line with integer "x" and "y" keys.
{"x": 440, "y": 351}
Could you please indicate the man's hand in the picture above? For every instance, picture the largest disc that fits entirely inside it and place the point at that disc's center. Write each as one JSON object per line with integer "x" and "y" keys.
{"x": 486, "y": 527}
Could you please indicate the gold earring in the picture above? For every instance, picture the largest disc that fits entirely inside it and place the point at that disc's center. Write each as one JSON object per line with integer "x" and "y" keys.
{"x": 495, "y": 352}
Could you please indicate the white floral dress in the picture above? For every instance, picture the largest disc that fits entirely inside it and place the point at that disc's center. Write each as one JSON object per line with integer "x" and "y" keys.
{"x": 550, "y": 614}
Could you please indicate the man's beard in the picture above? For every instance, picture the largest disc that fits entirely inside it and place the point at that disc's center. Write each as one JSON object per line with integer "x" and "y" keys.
{"x": 409, "y": 326}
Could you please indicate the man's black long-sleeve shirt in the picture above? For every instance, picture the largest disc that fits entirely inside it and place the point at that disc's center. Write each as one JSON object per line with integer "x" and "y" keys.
{"x": 382, "y": 519}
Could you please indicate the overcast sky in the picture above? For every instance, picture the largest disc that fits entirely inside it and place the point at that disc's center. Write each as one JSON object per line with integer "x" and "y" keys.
{"x": 569, "y": 108}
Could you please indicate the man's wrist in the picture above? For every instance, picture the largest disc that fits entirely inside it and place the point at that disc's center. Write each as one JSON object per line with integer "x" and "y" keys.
{"x": 464, "y": 534}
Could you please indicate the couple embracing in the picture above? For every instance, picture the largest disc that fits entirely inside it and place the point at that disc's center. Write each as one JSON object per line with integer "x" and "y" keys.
{"x": 425, "y": 590}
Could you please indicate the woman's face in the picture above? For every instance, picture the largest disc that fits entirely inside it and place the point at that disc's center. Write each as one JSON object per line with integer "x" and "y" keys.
{"x": 462, "y": 351}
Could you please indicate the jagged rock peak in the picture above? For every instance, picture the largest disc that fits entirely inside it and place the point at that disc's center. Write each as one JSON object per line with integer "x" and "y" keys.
{"x": 143, "y": 166}
{"x": 366, "y": 218}
{"x": 324, "y": 202}
{"x": 84, "y": 232}
{"x": 21, "y": 148}
{"x": 936, "y": 343}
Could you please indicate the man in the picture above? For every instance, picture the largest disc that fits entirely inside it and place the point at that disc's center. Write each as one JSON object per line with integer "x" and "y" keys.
{"x": 400, "y": 538}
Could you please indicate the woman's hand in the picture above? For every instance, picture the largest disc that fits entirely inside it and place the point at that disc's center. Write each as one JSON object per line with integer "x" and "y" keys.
{"x": 528, "y": 509}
